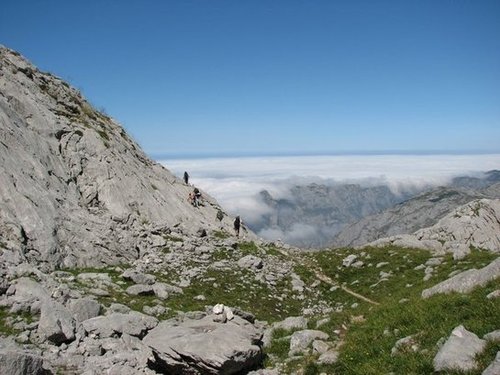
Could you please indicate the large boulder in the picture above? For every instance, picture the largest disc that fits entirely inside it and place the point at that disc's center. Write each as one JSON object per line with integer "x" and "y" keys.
{"x": 205, "y": 347}
{"x": 459, "y": 351}
{"x": 56, "y": 323}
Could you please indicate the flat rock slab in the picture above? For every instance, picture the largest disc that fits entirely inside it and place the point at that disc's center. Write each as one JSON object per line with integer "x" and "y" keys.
{"x": 205, "y": 347}
{"x": 466, "y": 281}
{"x": 458, "y": 351}
{"x": 133, "y": 324}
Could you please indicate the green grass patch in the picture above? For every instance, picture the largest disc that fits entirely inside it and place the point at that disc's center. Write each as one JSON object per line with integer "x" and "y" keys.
{"x": 5, "y": 329}
{"x": 221, "y": 234}
{"x": 248, "y": 248}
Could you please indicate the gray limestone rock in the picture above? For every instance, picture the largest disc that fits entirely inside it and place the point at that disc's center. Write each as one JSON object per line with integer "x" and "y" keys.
{"x": 458, "y": 351}
{"x": 292, "y": 322}
{"x": 328, "y": 357}
{"x": 133, "y": 324}
{"x": 84, "y": 308}
{"x": 494, "y": 294}
{"x": 466, "y": 281}
{"x": 139, "y": 277}
{"x": 29, "y": 290}
{"x": 56, "y": 324}
{"x": 494, "y": 367}
{"x": 493, "y": 336}
{"x": 300, "y": 340}
{"x": 251, "y": 261}
{"x": 16, "y": 362}
{"x": 140, "y": 290}
{"x": 348, "y": 260}
{"x": 320, "y": 346}
{"x": 204, "y": 346}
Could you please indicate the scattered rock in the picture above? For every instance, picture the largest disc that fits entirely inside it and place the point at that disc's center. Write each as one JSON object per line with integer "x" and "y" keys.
{"x": 328, "y": 358}
{"x": 251, "y": 261}
{"x": 138, "y": 277}
{"x": 292, "y": 322}
{"x": 494, "y": 294}
{"x": 458, "y": 351}
{"x": 348, "y": 260}
{"x": 300, "y": 340}
{"x": 407, "y": 343}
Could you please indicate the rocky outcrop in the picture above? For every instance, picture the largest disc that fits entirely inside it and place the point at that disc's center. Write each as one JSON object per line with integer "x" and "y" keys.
{"x": 75, "y": 188}
{"x": 466, "y": 281}
{"x": 476, "y": 224}
{"x": 14, "y": 361}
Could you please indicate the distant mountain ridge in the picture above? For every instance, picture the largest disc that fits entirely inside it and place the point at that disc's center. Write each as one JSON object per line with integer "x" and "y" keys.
{"x": 416, "y": 213}
{"x": 351, "y": 214}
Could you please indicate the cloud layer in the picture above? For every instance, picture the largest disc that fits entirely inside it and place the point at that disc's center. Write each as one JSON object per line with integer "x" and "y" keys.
{"x": 235, "y": 182}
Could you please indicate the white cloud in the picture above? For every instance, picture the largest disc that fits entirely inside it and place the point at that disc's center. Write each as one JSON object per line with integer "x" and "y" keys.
{"x": 235, "y": 182}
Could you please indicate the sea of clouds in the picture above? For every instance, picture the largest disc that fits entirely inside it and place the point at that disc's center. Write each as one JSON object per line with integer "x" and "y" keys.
{"x": 236, "y": 181}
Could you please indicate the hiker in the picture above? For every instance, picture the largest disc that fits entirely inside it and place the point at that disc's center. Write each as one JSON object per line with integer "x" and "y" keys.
{"x": 220, "y": 216}
{"x": 191, "y": 199}
{"x": 197, "y": 197}
{"x": 186, "y": 178}
{"x": 237, "y": 224}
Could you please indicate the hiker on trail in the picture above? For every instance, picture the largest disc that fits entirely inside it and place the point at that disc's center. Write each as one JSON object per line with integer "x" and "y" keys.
{"x": 197, "y": 197}
{"x": 237, "y": 224}
{"x": 220, "y": 216}
{"x": 191, "y": 198}
{"x": 186, "y": 178}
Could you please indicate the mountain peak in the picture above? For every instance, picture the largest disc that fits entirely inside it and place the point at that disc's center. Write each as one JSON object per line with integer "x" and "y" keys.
{"x": 77, "y": 189}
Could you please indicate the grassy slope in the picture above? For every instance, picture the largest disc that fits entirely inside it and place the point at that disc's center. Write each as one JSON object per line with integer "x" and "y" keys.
{"x": 366, "y": 349}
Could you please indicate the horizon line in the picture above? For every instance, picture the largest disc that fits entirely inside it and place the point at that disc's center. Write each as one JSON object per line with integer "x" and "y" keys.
{"x": 250, "y": 154}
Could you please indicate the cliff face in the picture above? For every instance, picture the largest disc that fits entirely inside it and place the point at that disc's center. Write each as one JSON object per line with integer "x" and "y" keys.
{"x": 74, "y": 188}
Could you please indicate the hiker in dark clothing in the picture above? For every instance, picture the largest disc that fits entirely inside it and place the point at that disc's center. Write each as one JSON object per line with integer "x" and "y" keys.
{"x": 186, "y": 178}
{"x": 237, "y": 224}
{"x": 220, "y": 216}
{"x": 197, "y": 197}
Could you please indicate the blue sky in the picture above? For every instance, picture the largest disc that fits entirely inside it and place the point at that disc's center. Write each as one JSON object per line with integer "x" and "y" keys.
{"x": 194, "y": 77}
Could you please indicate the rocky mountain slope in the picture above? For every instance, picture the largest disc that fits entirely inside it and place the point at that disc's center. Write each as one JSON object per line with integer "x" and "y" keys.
{"x": 422, "y": 211}
{"x": 75, "y": 188}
